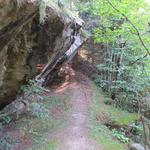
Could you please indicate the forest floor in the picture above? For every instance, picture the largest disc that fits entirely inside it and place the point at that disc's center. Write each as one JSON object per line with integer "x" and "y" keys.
{"x": 75, "y": 135}
{"x": 77, "y": 115}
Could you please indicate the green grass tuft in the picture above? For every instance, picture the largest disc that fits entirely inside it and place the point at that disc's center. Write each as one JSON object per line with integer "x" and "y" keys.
{"x": 103, "y": 137}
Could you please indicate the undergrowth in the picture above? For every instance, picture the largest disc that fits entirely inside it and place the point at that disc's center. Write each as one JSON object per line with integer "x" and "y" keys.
{"x": 48, "y": 114}
{"x": 26, "y": 93}
{"x": 119, "y": 116}
{"x": 111, "y": 140}
{"x": 39, "y": 127}
{"x": 121, "y": 136}
{"x": 97, "y": 130}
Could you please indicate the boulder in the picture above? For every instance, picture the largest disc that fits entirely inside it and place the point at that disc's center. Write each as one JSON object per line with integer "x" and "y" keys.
{"x": 24, "y": 42}
{"x": 136, "y": 146}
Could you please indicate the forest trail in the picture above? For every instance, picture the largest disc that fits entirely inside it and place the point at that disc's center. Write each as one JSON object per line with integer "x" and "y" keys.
{"x": 75, "y": 120}
{"x": 75, "y": 136}
{"x": 67, "y": 126}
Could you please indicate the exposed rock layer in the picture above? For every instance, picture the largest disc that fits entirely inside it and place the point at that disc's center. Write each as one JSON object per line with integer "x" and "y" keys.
{"x": 24, "y": 43}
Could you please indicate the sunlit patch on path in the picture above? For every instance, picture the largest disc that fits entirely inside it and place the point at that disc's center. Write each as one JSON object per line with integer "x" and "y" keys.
{"x": 75, "y": 136}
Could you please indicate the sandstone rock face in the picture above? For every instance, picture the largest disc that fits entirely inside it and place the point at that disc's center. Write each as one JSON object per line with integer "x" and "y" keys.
{"x": 16, "y": 45}
{"x": 24, "y": 43}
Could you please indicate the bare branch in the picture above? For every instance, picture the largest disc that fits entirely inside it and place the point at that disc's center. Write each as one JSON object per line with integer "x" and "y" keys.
{"x": 139, "y": 59}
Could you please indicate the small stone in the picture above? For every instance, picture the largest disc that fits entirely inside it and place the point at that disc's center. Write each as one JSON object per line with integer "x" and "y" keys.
{"x": 136, "y": 146}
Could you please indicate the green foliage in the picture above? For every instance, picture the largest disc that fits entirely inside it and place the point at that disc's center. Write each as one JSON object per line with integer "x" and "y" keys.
{"x": 97, "y": 130}
{"x": 7, "y": 120}
{"x": 121, "y": 117}
{"x": 98, "y": 81}
{"x": 7, "y": 142}
{"x": 120, "y": 135}
{"x": 101, "y": 114}
{"x": 138, "y": 129}
{"x": 86, "y": 8}
{"x": 117, "y": 31}
{"x": 118, "y": 116}
{"x": 32, "y": 88}
{"x": 115, "y": 24}
{"x": 45, "y": 118}
{"x": 39, "y": 110}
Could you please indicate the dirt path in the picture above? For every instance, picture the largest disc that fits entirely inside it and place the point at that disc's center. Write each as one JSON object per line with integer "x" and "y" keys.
{"x": 72, "y": 137}
{"x": 75, "y": 136}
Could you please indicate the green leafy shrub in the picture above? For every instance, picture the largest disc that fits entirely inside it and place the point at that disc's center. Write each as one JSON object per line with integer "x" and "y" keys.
{"x": 7, "y": 142}
{"x": 39, "y": 110}
{"x": 123, "y": 72}
{"x": 120, "y": 135}
{"x": 32, "y": 88}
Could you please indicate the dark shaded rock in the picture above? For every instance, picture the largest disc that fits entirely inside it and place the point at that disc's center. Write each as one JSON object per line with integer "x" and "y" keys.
{"x": 16, "y": 43}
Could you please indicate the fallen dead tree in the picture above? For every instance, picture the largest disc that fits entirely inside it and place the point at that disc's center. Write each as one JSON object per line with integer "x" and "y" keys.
{"x": 21, "y": 106}
{"x": 45, "y": 74}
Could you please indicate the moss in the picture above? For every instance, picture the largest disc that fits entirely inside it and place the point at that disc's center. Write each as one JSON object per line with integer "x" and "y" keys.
{"x": 119, "y": 116}
{"x": 100, "y": 132}
{"x": 103, "y": 137}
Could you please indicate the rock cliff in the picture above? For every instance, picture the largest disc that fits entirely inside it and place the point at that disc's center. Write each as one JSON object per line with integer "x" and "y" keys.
{"x": 24, "y": 42}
